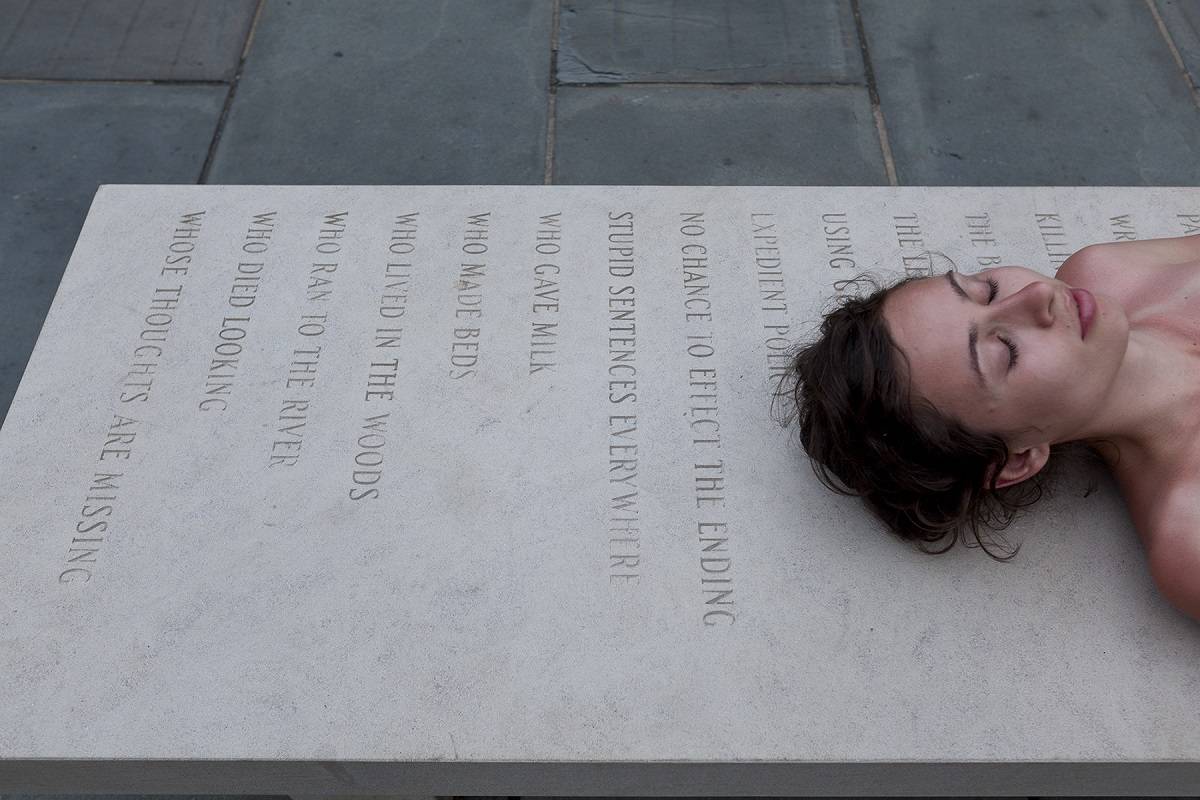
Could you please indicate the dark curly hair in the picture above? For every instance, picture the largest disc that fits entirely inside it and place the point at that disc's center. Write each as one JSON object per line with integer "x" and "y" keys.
{"x": 920, "y": 471}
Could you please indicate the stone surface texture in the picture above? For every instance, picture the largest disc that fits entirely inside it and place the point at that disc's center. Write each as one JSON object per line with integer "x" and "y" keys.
{"x": 414, "y": 506}
{"x": 1181, "y": 18}
{"x": 123, "y": 39}
{"x": 391, "y": 93}
{"x": 706, "y": 41}
{"x": 763, "y": 135}
{"x": 57, "y": 143}
{"x": 453, "y": 92}
{"x": 1032, "y": 93}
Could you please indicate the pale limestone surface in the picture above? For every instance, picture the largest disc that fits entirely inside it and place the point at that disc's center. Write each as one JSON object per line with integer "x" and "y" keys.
{"x": 472, "y": 623}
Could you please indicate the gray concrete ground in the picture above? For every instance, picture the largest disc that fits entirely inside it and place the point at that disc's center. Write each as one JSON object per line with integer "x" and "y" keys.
{"x": 718, "y": 92}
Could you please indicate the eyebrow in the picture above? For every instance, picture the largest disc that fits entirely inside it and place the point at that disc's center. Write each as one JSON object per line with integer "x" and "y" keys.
{"x": 972, "y": 333}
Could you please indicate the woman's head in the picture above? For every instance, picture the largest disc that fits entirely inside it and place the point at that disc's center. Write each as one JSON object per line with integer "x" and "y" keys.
{"x": 888, "y": 402}
{"x": 1003, "y": 351}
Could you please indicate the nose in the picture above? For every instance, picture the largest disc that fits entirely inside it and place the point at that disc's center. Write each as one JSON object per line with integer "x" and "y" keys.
{"x": 1034, "y": 303}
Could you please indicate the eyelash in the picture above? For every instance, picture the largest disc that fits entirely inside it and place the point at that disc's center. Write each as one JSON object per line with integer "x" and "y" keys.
{"x": 1013, "y": 352}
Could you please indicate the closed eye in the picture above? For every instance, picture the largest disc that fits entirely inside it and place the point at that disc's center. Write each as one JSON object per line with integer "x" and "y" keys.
{"x": 1013, "y": 351}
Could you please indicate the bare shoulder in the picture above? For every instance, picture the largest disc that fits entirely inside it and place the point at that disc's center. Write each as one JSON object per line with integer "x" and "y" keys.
{"x": 1174, "y": 549}
{"x": 1117, "y": 268}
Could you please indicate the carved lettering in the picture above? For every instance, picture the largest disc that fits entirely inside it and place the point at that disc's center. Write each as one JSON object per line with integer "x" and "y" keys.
{"x": 300, "y": 380}
{"x": 1054, "y": 237}
{"x": 772, "y": 291}
{"x": 983, "y": 238}
{"x": 543, "y": 339}
{"x": 624, "y": 533}
{"x": 702, "y": 411}
{"x": 468, "y": 308}
{"x": 908, "y": 235}
{"x": 1122, "y": 228}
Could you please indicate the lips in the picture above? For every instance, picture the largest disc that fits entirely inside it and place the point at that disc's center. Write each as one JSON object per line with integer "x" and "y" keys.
{"x": 1085, "y": 306}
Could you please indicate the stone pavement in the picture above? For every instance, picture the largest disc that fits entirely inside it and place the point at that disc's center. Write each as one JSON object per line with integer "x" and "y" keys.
{"x": 718, "y": 92}
{"x": 708, "y": 92}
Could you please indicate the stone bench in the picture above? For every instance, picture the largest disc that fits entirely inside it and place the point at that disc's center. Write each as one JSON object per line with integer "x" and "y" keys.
{"x": 476, "y": 490}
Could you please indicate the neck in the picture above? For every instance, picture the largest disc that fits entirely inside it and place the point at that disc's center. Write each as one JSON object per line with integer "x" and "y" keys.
{"x": 1150, "y": 412}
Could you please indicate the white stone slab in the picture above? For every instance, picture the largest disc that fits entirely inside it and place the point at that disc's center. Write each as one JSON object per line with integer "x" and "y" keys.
{"x": 244, "y": 608}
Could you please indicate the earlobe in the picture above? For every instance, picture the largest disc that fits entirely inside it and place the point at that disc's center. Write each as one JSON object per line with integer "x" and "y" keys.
{"x": 1022, "y": 464}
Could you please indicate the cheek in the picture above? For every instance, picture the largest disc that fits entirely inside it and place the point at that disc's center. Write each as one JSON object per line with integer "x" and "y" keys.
{"x": 1066, "y": 376}
{"x": 1047, "y": 375}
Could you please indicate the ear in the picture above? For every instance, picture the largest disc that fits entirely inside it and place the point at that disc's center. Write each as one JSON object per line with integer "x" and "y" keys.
{"x": 1021, "y": 464}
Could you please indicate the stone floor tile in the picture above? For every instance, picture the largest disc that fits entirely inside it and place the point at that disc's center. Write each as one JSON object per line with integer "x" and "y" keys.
{"x": 708, "y": 41}
{"x": 57, "y": 144}
{"x": 375, "y": 797}
{"x": 1025, "y": 92}
{"x": 123, "y": 39}
{"x": 143, "y": 797}
{"x": 1182, "y": 18}
{"x": 765, "y": 135}
{"x": 453, "y": 91}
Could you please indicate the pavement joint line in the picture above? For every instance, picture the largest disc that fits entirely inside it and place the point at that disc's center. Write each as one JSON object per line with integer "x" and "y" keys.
{"x": 250, "y": 36}
{"x": 117, "y": 81}
{"x": 551, "y": 98}
{"x": 211, "y": 155}
{"x": 1194, "y": 90}
{"x": 889, "y": 163}
{"x": 722, "y": 85}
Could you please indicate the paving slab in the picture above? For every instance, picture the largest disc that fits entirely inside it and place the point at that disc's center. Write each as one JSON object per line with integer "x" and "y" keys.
{"x": 1182, "y": 19}
{"x": 452, "y": 91}
{"x": 57, "y": 144}
{"x": 1023, "y": 92}
{"x": 123, "y": 39}
{"x": 708, "y": 41}
{"x": 141, "y": 797}
{"x": 764, "y": 135}
{"x": 455, "y": 490}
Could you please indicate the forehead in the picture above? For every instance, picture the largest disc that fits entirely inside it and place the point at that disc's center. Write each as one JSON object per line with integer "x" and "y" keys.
{"x": 929, "y": 322}
{"x": 904, "y": 303}
{"x": 931, "y": 288}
